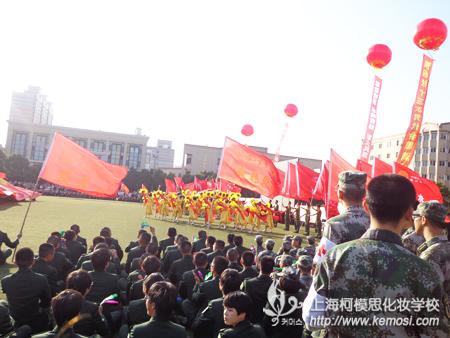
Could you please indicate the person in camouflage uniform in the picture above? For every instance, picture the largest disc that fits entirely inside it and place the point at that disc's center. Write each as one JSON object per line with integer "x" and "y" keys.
{"x": 411, "y": 240}
{"x": 354, "y": 221}
{"x": 377, "y": 269}
{"x": 429, "y": 221}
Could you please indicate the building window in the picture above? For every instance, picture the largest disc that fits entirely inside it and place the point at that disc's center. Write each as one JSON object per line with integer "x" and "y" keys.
{"x": 432, "y": 150}
{"x": 443, "y": 136}
{"x": 398, "y": 142}
{"x": 417, "y": 164}
{"x": 424, "y": 150}
{"x": 98, "y": 146}
{"x": 19, "y": 144}
{"x": 443, "y": 150}
{"x": 188, "y": 159}
{"x": 39, "y": 150}
{"x": 424, "y": 175}
{"x": 116, "y": 153}
{"x": 424, "y": 163}
{"x": 425, "y": 137}
{"x": 448, "y": 177}
{"x": 81, "y": 142}
{"x": 448, "y": 164}
{"x": 418, "y": 140}
{"x": 134, "y": 156}
{"x": 371, "y": 157}
{"x": 380, "y": 145}
{"x": 433, "y": 135}
{"x": 442, "y": 163}
{"x": 388, "y": 155}
{"x": 432, "y": 162}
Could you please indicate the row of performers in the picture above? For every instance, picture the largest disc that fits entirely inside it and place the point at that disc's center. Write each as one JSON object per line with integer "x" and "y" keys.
{"x": 227, "y": 209}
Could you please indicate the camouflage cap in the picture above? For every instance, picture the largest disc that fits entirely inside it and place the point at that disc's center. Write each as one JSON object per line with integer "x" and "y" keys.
{"x": 305, "y": 261}
{"x": 433, "y": 210}
{"x": 352, "y": 180}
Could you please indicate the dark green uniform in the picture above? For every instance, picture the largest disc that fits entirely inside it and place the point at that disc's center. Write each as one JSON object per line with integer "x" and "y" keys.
{"x": 179, "y": 267}
{"x": 28, "y": 295}
{"x": 198, "y": 245}
{"x": 93, "y": 323}
{"x": 169, "y": 258}
{"x": 257, "y": 289}
{"x": 187, "y": 283}
{"x": 163, "y": 244}
{"x": 134, "y": 253}
{"x": 158, "y": 328}
{"x": 210, "y": 321}
{"x": 104, "y": 284}
{"x": 69, "y": 333}
{"x": 412, "y": 241}
{"x": 75, "y": 250}
{"x": 62, "y": 265}
{"x": 244, "y": 329}
{"x": 248, "y": 273}
{"x": 205, "y": 292}
{"x": 213, "y": 254}
{"x": 42, "y": 267}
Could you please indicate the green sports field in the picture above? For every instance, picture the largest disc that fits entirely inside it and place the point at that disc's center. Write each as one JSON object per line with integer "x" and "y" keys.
{"x": 49, "y": 214}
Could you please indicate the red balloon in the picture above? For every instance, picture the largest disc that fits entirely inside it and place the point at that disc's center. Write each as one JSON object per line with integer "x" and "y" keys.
{"x": 247, "y": 130}
{"x": 431, "y": 33}
{"x": 291, "y": 110}
{"x": 379, "y": 56}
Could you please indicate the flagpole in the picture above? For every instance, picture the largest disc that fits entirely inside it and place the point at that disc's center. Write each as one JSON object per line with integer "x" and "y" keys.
{"x": 26, "y": 215}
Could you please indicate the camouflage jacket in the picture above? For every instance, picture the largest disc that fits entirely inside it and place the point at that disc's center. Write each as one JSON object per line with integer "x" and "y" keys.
{"x": 436, "y": 251}
{"x": 411, "y": 240}
{"x": 346, "y": 227}
{"x": 379, "y": 274}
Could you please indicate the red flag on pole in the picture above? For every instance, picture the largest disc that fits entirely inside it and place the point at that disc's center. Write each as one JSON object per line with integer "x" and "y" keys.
{"x": 71, "y": 166}
{"x": 290, "y": 184}
{"x": 321, "y": 188}
{"x": 380, "y": 168}
{"x": 170, "y": 185}
{"x": 306, "y": 181}
{"x": 426, "y": 190}
{"x": 247, "y": 168}
{"x": 179, "y": 181}
{"x": 364, "y": 167}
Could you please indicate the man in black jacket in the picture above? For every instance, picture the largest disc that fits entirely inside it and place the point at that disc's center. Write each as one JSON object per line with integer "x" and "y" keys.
{"x": 144, "y": 240}
{"x": 150, "y": 264}
{"x": 209, "y": 245}
{"x": 74, "y": 248}
{"x": 200, "y": 242}
{"x": 76, "y": 228}
{"x": 42, "y": 266}
{"x": 181, "y": 265}
{"x": 257, "y": 288}
{"x": 106, "y": 232}
{"x": 160, "y": 302}
{"x": 248, "y": 261}
{"x": 60, "y": 262}
{"x": 171, "y": 232}
{"x": 218, "y": 250}
{"x": 104, "y": 283}
{"x": 28, "y": 293}
{"x": 211, "y": 320}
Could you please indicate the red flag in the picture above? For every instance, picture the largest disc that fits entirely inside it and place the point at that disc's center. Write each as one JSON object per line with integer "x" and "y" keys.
{"x": 2, "y": 175}
{"x": 290, "y": 185}
{"x": 179, "y": 182}
{"x": 364, "y": 167}
{"x": 71, "y": 166}
{"x": 189, "y": 186}
{"x": 170, "y": 185}
{"x": 380, "y": 168}
{"x": 247, "y": 168}
{"x": 227, "y": 186}
{"x": 426, "y": 190}
{"x": 306, "y": 181}
{"x": 321, "y": 188}
{"x": 337, "y": 165}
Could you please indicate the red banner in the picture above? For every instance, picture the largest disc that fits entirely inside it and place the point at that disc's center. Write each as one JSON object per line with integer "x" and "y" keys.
{"x": 364, "y": 167}
{"x": 412, "y": 134}
{"x": 380, "y": 167}
{"x": 372, "y": 121}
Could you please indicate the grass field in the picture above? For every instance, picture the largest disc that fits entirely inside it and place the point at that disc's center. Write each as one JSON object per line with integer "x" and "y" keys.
{"x": 49, "y": 214}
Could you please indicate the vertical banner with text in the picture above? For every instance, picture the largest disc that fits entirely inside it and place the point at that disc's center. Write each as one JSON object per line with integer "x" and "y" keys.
{"x": 371, "y": 122}
{"x": 412, "y": 134}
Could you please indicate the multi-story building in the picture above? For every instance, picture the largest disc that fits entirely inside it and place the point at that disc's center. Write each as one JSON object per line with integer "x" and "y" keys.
{"x": 161, "y": 156}
{"x": 199, "y": 158}
{"x": 432, "y": 155}
{"x": 30, "y": 133}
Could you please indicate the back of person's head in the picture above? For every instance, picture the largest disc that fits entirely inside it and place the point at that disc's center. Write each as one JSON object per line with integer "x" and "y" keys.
{"x": 186, "y": 248}
{"x": 172, "y": 232}
{"x": 163, "y": 295}
{"x": 150, "y": 280}
{"x": 230, "y": 238}
{"x": 238, "y": 240}
{"x": 66, "y": 305}
{"x": 232, "y": 255}
{"x": 219, "y": 245}
{"x": 100, "y": 259}
{"x": 240, "y": 301}
{"x": 220, "y": 264}
{"x": 56, "y": 233}
{"x": 311, "y": 240}
{"x": 248, "y": 259}
{"x": 97, "y": 240}
{"x": 179, "y": 239}
{"x": 200, "y": 259}
{"x": 202, "y": 234}
{"x": 266, "y": 265}
{"x": 46, "y": 250}
{"x": 79, "y": 280}
{"x": 290, "y": 285}
{"x": 140, "y": 232}
{"x": 389, "y": 197}
{"x": 152, "y": 249}
{"x": 270, "y": 243}
{"x": 144, "y": 239}
{"x": 69, "y": 235}
{"x": 76, "y": 228}
{"x": 55, "y": 241}
{"x": 210, "y": 240}
{"x": 259, "y": 239}
{"x": 151, "y": 264}
{"x": 105, "y": 232}
{"x": 24, "y": 258}
{"x": 101, "y": 245}
{"x": 230, "y": 280}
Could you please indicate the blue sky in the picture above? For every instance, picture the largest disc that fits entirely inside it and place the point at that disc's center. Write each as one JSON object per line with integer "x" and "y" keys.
{"x": 197, "y": 71}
